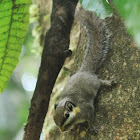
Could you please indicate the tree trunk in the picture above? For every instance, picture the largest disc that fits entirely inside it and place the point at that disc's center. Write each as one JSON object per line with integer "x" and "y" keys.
{"x": 55, "y": 51}
{"x": 117, "y": 108}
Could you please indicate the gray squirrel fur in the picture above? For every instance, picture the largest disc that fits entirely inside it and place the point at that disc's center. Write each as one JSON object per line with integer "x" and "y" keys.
{"x": 76, "y": 104}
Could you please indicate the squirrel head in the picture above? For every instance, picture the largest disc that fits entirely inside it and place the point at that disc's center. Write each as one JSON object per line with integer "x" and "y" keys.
{"x": 76, "y": 104}
{"x": 67, "y": 115}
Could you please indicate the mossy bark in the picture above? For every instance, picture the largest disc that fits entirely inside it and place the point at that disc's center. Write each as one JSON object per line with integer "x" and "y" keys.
{"x": 117, "y": 107}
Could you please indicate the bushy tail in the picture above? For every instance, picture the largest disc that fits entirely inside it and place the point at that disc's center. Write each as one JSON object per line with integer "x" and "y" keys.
{"x": 98, "y": 40}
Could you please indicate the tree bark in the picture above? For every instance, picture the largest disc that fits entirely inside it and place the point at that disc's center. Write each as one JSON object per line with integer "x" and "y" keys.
{"x": 117, "y": 108}
{"x": 54, "y": 54}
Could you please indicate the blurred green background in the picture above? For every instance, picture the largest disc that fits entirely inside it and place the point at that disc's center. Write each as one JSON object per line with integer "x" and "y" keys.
{"x": 15, "y": 99}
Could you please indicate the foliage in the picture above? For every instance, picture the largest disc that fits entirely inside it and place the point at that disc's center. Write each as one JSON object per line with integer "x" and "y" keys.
{"x": 14, "y": 20}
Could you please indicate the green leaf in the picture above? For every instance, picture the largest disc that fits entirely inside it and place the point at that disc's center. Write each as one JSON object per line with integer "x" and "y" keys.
{"x": 101, "y": 7}
{"x": 130, "y": 11}
{"x": 14, "y": 21}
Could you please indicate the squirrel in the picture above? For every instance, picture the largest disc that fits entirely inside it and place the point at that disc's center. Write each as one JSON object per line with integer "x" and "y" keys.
{"x": 76, "y": 104}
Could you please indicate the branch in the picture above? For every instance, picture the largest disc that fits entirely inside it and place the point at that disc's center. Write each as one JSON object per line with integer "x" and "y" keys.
{"x": 54, "y": 54}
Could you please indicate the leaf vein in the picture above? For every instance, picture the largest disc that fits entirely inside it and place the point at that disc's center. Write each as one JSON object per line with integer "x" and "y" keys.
{"x": 5, "y": 52}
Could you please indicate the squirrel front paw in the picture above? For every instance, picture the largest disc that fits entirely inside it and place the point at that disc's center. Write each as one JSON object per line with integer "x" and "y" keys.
{"x": 110, "y": 82}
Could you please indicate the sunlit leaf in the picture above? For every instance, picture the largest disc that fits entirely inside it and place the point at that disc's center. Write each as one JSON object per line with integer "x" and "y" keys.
{"x": 101, "y": 7}
{"x": 14, "y": 21}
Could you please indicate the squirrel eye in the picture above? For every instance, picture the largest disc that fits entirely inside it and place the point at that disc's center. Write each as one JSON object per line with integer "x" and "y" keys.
{"x": 55, "y": 106}
{"x": 67, "y": 115}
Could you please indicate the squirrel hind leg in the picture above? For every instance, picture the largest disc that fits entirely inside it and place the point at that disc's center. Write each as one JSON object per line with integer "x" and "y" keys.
{"x": 110, "y": 82}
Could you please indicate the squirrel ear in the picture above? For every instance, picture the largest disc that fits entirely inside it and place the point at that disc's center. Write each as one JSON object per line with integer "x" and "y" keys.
{"x": 69, "y": 106}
